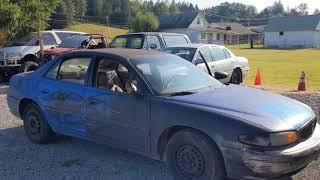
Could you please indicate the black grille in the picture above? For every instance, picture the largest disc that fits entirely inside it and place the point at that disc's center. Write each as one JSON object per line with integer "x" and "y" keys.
{"x": 307, "y": 131}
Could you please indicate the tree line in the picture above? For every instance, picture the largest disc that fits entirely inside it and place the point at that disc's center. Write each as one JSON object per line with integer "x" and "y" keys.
{"x": 22, "y": 16}
{"x": 115, "y": 12}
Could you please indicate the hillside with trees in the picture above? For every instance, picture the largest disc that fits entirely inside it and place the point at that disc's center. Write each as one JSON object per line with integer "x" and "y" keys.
{"x": 22, "y": 16}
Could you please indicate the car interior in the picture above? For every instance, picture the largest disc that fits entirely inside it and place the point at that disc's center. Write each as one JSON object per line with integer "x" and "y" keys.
{"x": 115, "y": 77}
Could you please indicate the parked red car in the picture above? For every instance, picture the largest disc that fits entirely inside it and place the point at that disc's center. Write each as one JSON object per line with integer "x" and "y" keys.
{"x": 86, "y": 41}
{"x": 83, "y": 41}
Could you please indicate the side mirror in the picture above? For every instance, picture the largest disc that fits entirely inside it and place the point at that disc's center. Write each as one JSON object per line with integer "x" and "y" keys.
{"x": 37, "y": 43}
{"x": 153, "y": 46}
{"x": 220, "y": 75}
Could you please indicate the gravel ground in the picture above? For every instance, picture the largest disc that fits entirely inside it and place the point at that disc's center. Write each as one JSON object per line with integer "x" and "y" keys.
{"x": 71, "y": 158}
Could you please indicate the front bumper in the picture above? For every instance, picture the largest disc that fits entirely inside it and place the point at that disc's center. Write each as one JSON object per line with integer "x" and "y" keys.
{"x": 270, "y": 164}
{"x": 10, "y": 62}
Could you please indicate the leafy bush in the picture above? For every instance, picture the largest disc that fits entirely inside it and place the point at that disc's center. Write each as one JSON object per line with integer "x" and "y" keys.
{"x": 145, "y": 23}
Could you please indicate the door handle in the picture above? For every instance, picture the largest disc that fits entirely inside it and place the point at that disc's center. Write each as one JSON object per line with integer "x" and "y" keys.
{"x": 92, "y": 102}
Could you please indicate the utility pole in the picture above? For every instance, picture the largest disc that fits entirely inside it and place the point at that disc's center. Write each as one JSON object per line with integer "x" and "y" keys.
{"x": 40, "y": 39}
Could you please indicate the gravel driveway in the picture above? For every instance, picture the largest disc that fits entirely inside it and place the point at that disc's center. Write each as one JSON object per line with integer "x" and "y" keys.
{"x": 71, "y": 158}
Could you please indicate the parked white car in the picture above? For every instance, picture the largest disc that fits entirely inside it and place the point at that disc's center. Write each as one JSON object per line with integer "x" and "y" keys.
{"x": 26, "y": 48}
{"x": 215, "y": 60}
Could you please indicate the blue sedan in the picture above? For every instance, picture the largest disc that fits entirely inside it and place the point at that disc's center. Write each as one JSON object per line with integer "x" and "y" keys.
{"x": 164, "y": 107}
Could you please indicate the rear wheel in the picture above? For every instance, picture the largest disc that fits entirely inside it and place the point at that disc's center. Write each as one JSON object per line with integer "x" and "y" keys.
{"x": 36, "y": 128}
{"x": 236, "y": 77}
{"x": 190, "y": 156}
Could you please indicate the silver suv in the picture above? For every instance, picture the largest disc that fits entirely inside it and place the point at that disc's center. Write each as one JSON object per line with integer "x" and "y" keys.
{"x": 26, "y": 49}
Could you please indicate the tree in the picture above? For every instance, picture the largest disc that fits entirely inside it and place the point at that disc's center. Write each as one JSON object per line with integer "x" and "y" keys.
{"x": 316, "y": 12}
{"x": 161, "y": 8}
{"x": 20, "y": 17}
{"x": 276, "y": 10}
{"x": 145, "y": 23}
{"x": 173, "y": 9}
{"x": 300, "y": 10}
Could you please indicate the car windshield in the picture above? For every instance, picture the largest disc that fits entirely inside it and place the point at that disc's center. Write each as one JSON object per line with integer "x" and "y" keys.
{"x": 27, "y": 40}
{"x": 168, "y": 74}
{"x": 134, "y": 41}
{"x": 185, "y": 53}
{"x": 74, "y": 42}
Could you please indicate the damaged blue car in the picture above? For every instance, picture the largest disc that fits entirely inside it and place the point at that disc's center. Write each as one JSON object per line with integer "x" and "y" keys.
{"x": 164, "y": 107}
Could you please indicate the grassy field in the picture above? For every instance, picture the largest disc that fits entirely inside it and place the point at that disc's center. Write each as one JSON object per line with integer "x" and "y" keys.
{"x": 94, "y": 28}
{"x": 282, "y": 67}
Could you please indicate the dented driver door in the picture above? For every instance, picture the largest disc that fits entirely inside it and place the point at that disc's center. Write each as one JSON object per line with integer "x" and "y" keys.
{"x": 118, "y": 119}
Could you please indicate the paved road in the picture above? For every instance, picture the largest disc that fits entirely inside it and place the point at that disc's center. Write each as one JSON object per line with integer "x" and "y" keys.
{"x": 70, "y": 158}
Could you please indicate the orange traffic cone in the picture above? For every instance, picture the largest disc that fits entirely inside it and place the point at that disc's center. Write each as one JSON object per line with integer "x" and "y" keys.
{"x": 302, "y": 82}
{"x": 258, "y": 78}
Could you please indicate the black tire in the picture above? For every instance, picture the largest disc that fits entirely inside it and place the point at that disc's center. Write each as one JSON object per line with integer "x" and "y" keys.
{"x": 192, "y": 156}
{"x": 28, "y": 66}
{"x": 236, "y": 77}
{"x": 36, "y": 127}
{"x": 2, "y": 80}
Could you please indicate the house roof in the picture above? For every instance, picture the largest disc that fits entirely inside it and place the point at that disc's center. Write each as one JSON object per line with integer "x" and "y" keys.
{"x": 182, "y": 20}
{"x": 293, "y": 23}
{"x": 236, "y": 28}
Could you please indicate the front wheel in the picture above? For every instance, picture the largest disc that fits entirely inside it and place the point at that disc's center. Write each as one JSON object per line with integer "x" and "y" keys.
{"x": 236, "y": 77}
{"x": 191, "y": 155}
{"x": 36, "y": 128}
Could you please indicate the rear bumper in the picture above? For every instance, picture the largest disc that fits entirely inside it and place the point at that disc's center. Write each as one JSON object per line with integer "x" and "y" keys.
{"x": 249, "y": 164}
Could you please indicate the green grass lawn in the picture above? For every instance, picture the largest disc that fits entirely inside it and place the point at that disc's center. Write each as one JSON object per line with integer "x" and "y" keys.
{"x": 94, "y": 28}
{"x": 282, "y": 67}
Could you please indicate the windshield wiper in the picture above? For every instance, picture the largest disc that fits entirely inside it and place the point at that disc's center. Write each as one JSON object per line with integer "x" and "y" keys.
{"x": 182, "y": 93}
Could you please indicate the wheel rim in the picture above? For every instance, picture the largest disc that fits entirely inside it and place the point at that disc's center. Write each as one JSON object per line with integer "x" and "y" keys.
{"x": 33, "y": 122}
{"x": 190, "y": 161}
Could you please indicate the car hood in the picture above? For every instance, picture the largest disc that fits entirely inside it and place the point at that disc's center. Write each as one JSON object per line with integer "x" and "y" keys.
{"x": 16, "y": 49}
{"x": 271, "y": 111}
{"x": 57, "y": 51}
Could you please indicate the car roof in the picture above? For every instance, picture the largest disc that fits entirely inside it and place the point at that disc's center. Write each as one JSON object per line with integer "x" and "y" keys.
{"x": 124, "y": 53}
{"x": 64, "y": 31}
{"x": 193, "y": 45}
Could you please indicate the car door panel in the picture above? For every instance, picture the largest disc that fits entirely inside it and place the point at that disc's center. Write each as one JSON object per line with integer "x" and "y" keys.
{"x": 119, "y": 119}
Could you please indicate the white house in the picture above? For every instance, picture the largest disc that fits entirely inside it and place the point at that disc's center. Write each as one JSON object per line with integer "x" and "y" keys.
{"x": 195, "y": 25}
{"x": 293, "y": 32}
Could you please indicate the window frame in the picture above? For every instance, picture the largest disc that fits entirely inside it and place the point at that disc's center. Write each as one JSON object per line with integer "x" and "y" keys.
{"x": 91, "y": 81}
{"x": 165, "y": 36}
{"x": 199, "y": 50}
{"x": 222, "y": 49}
{"x": 159, "y": 39}
{"x": 204, "y": 36}
{"x": 225, "y": 50}
{"x": 61, "y": 60}
{"x": 53, "y": 38}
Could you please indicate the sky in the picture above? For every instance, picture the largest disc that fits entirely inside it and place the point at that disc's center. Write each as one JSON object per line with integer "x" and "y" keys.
{"x": 260, "y": 4}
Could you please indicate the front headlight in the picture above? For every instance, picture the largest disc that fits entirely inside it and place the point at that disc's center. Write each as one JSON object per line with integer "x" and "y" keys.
{"x": 270, "y": 139}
